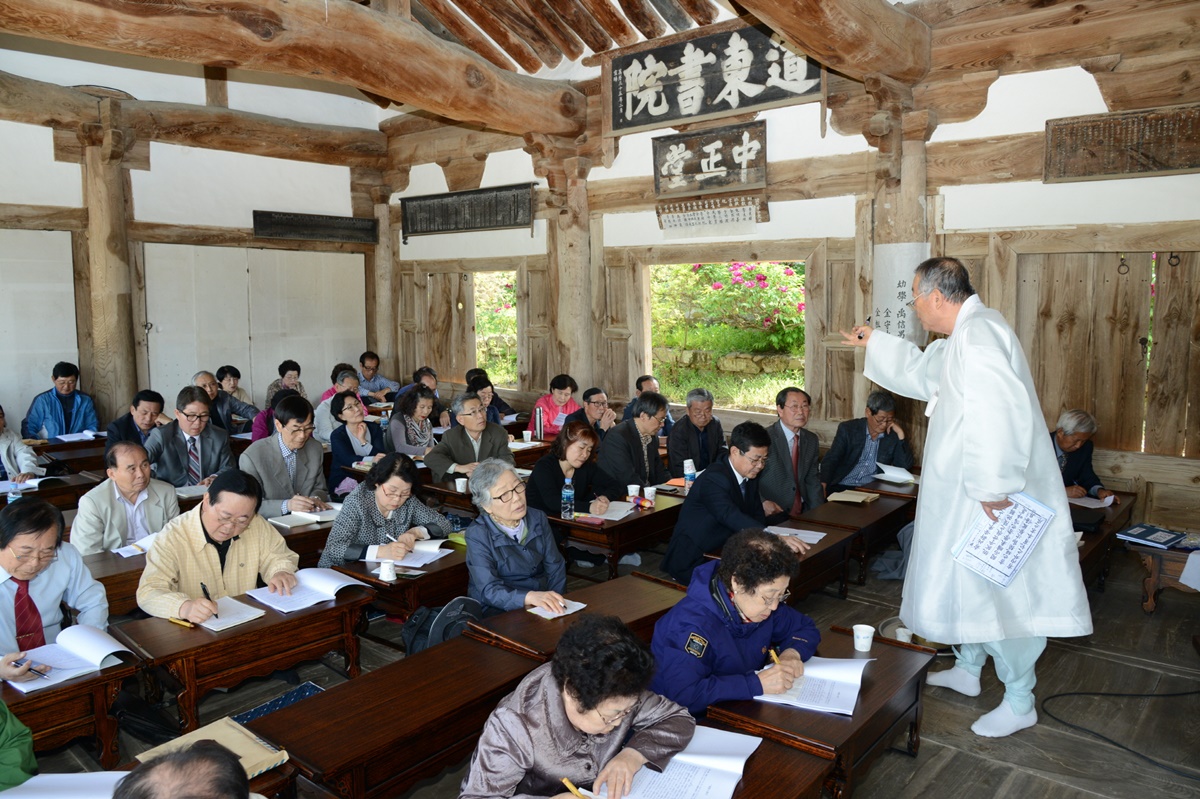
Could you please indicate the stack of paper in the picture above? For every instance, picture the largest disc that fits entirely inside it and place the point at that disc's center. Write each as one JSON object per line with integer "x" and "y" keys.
{"x": 86, "y": 435}
{"x": 320, "y": 516}
{"x": 256, "y": 754}
{"x": 828, "y": 684}
{"x": 997, "y": 550}
{"x": 853, "y": 497}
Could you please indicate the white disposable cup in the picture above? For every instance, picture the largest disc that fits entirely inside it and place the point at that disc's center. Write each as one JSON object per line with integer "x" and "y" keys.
{"x": 649, "y": 492}
{"x": 633, "y": 489}
{"x": 904, "y": 635}
{"x": 460, "y": 485}
{"x": 863, "y": 635}
{"x": 527, "y": 435}
{"x": 387, "y": 570}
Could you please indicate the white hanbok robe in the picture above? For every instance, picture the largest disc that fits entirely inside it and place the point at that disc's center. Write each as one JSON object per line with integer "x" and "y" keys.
{"x": 986, "y": 440}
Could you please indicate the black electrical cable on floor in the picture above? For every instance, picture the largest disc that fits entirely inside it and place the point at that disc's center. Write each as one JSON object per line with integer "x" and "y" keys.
{"x": 1147, "y": 758}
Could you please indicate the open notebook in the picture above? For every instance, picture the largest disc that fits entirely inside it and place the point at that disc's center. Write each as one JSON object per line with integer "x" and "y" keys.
{"x": 231, "y": 613}
{"x": 78, "y": 650}
{"x": 828, "y": 684}
{"x": 710, "y": 767}
{"x": 314, "y": 586}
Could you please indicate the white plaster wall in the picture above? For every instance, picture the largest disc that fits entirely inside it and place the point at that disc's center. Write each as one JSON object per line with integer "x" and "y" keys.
{"x": 29, "y": 175}
{"x": 831, "y": 217}
{"x": 1022, "y": 104}
{"x": 188, "y": 185}
{"x": 37, "y": 315}
{"x": 301, "y": 100}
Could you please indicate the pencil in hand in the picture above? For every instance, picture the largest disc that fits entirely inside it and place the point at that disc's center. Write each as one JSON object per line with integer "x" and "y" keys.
{"x": 571, "y": 787}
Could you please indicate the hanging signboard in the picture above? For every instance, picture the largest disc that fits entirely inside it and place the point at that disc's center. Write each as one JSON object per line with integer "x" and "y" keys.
{"x": 713, "y": 160}
{"x": 1162, "y": 141}
{"x": 496, "y": 208}
{"x": 733, "y": 67}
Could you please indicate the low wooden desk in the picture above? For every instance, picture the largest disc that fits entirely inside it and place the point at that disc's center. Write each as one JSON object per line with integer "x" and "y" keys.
{"x": 276, "y": 783}
{"x": 776, "y": 771}
{"x": 307, "y": 541}
{"x": 378, "y": 735}
{"x": 82, "y": 459}
{"x": 886, "y": 489}
{"x": 889, "y": 701}
{"x": 528, "y": 456}
{"x": 200, "y": 660}
{"x": 877, "y": 523}
{"x": 826, "y": 561}
{"x": 637, "y": 599}
{"x": 54, "y": 445}
{"x": 119, "y": 576}
{"x": 1094, "y": 554}
{"x": 444, "y": 579}
{"x": 61, "y": 492}
{"x": 74, "y": 708}
{"x": 640, "y": 528}
{"x": 1163, "y": 569}
{"x": 446, "y": 495}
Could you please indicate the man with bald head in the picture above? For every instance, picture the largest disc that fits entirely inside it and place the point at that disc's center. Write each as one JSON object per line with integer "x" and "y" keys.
{"x": 223, "y": 406}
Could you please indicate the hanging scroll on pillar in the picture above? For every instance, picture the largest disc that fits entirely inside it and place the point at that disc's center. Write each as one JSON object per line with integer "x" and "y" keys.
{"x": 892, "y": 289}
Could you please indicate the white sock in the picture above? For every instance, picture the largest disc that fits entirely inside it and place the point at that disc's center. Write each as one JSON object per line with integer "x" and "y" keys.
{"x": 1003, "y": 721}
{"x": 955, "y": 679}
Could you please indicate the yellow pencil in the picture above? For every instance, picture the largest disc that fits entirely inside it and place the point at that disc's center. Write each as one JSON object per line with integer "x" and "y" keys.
{"x": 572, "y": 788}
{"x": 774, "y": 656}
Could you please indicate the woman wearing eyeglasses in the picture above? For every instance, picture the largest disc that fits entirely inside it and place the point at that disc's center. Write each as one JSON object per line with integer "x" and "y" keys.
{"x": 511, "y": 554}
{"x": 714, "y": 644}
{"x": 381, "y": 519}
{"x": 586, "y": 715}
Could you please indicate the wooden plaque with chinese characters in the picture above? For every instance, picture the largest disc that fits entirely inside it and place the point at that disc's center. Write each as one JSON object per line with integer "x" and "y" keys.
{"x": 714, "y": 160}
{"x": 1164, "y": 141}
{"x": 733, "y": 67}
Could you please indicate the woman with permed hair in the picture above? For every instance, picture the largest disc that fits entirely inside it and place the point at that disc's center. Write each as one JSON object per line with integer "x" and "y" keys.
{"x": 586, "y": 716}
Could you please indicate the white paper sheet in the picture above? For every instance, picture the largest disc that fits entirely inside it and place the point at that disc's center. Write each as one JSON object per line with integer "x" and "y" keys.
{"x": 232, "y": 613}
{"x": 572, "y": 607}
{"x": 140, "y": 547}
{"x": 997, "y": 550}
{"x": 320, "y": 515}
{"x": 1092, "y": 502}
{"x": 187, "y": 492}
{"x": 895, "y": 474}
{"x": 807, "y": 536}
{"x": 86, "y": 435}
{"x": 83, "y": 785}
{"x": 830, "y": 685}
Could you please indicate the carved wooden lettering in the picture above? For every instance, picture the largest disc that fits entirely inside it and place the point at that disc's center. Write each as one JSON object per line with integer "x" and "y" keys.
{"x": 713, "y": 160}
{"x": 315, "y": 227}
{"x": 495, "y": 208}
{"x": 1131, "y": 144}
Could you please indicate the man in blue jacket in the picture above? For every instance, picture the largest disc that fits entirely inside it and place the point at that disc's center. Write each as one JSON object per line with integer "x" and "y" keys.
{"x": 62, "y": 409}
{"x": 715, "y": 644}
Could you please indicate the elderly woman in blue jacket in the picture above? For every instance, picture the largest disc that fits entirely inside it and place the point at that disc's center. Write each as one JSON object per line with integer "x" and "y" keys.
{"x": 511, "y": 554}
{"x": 715, "y": 643}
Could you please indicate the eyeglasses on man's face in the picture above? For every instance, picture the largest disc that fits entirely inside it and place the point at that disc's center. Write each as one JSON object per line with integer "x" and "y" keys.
{"x": 26, "y": 554}
{"x": 195, "y": 417}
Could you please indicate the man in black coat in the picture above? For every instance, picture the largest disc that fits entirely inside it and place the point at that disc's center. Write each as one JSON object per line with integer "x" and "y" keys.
{"x": 722, "y": 501}
{"x": 860, "y": 444}
{"x": 139, "y": 423}
{"x": 629, "y": 453}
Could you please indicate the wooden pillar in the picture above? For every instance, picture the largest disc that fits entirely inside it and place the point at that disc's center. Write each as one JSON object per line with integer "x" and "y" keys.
{"x": 382, "y": 316}
{"x": 111, "y": 375}
{"x": 570, "y": 251}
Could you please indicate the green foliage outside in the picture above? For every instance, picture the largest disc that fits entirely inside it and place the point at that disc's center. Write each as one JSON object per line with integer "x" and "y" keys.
{"x": 496, "y": 325}
{"x": 739, "y": 307}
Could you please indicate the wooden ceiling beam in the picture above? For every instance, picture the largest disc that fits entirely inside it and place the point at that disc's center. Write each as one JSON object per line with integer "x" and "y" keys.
{"x": 644, "y": 18}
{"x": 552, "y": 25}
{"x": 516, "y": 47}
{"x": 613, "y": 23}
{"x": 465, "y": 32}
{"x": 36, "y": 102}
{"x": 855, "y": 37}
{"x": 353, "y": 45}
{"x": 674, "y": 14}
{"x": 523, "y": 25}
{"x": 590, "y": 31}
{"x": 703, "y": 11}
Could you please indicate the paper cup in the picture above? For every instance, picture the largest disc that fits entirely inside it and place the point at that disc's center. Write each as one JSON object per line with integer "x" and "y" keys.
{"x": 904, "y": 635}
{"x": 460, "y": 485}
{"x": 527, "y": 435}
{"x": 387, "y": 570}
{"x": 633, "y": 489}
{"x": 863, "y": 635}
{"x": 649, "y": 492}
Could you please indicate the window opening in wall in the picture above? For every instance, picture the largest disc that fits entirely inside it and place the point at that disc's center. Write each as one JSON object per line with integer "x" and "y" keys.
{"x": 496, "y": 325}
{"x": 735, "y": 328}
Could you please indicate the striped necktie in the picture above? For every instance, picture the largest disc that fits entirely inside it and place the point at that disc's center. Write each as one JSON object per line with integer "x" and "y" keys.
{"x": 30, "y": 633}
{"x": 193, "y": 477}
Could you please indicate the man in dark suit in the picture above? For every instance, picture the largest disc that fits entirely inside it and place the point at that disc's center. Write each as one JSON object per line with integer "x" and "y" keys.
{"x": 860, "y": 444}
{"x": 722, "y": 501}
{"x": 1073, "y": 448}
{"x": 697, "y": 435}
{"x": 189, "y": 451}
{"x": 224, "y": 405}
{"x": 595, "y": 411}
{"x": 475, "y": 439}
{"x": 139, "y": 423}
{"x": 790, "y": 483}
{"x": 629, "y": 453}
{"x": 643, "y": 384}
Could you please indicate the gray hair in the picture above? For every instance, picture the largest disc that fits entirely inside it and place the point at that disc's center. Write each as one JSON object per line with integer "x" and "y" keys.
{"x": 947, "y": 275}
{"x": 345, "y": 375}
{"x": 201, "y": 374}
{"x": 484, "y": 478}
{"x": 698, "y": 395}
{"x": 881, "y": 401}
{"x": 456, "y": 406}
{"x": 1077, "y": 421}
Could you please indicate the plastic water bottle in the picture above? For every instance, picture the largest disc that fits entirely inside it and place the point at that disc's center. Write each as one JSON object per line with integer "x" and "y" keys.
{"x": 383, "y": 420}
{"x": 568, "y": 500}
{"x": 14, "y": 491}
{"x": 689, "y": 475}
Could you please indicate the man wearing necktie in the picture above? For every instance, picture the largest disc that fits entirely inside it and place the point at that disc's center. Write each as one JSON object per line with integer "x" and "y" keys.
{"x": 189, "y": 451}
{"x": 38, "y": 572}
{"x": 790, "y": 482}
{"x": 722, "y": 501}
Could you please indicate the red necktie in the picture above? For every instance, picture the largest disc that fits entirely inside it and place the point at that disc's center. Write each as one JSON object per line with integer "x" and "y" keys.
{"x": 30, "y": 633}
{"x": 798, "y": 503}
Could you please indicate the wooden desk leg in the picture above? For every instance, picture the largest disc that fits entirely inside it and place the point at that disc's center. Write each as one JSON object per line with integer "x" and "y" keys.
{"x": 613, "y": 559}
{"x": 844, "y": 585}
{"x": 350, "y": 641}
{"x": 1150, "y": 584}
{"x": 184, "y": 671}
{"x": 103, "y": 697}
{"x": 914, "y": 729}
{"x": 838, "y": 782}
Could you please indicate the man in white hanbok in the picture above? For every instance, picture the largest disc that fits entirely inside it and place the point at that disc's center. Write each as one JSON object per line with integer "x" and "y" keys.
{"x": 986, "y": 441}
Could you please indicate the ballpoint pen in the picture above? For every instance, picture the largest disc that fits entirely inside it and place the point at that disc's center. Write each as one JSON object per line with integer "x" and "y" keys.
{"x": 204, "y": 588}
{"x": 866, "y": 322}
